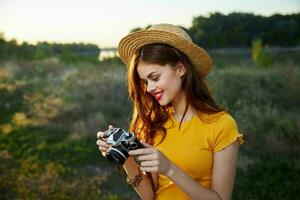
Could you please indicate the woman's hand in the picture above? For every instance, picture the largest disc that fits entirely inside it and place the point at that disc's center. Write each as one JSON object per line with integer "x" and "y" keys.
{"x": 103, "y": 146}
{"x": 151, "y": 159}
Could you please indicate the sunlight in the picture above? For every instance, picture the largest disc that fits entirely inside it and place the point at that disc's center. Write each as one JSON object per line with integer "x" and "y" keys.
{"x": 105, "y": 22}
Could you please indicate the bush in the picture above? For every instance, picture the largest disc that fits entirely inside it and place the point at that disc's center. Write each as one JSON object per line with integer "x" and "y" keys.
{"x": 261, "y": 56}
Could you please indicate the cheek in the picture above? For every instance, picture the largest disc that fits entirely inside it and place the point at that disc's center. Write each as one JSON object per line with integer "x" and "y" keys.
{"x": 171, "y": 84}
{"x": 163, "y": 84}
{"x": 176, "y": 86}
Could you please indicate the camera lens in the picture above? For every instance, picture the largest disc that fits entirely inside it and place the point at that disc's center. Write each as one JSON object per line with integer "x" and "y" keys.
{"x": 116, "y": 156}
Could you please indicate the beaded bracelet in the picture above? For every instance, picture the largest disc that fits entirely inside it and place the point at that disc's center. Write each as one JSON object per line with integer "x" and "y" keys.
{"x": 136, "y": 180}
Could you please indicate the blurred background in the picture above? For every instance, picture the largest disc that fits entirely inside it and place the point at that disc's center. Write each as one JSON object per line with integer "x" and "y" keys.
{"x": 61, "y": 81}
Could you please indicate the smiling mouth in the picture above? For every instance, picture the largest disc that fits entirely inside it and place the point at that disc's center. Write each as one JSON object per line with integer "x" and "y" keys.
{"x": 158, "y": 95}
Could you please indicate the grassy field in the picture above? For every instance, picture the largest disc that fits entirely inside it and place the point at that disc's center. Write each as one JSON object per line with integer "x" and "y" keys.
{"x": 50, "y": 112}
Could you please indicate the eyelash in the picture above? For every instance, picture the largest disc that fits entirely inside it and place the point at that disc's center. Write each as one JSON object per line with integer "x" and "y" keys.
{"x": 154, "y": 79}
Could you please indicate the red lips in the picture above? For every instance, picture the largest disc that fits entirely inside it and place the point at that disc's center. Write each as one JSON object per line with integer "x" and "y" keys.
{"x": 158, "y": 95}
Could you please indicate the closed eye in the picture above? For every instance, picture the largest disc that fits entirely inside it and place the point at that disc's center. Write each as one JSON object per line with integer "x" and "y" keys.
{"x": 155, "y": 78}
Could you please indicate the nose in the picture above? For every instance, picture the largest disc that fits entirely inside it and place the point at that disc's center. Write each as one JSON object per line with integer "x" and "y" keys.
{"x": 150, "y": 87}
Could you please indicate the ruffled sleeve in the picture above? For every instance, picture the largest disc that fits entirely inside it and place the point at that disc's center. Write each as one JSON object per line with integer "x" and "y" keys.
{"x": 225, "y": 133}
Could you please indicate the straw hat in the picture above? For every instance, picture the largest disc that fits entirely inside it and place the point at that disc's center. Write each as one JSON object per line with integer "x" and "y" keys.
{"x": 166, "y": 34}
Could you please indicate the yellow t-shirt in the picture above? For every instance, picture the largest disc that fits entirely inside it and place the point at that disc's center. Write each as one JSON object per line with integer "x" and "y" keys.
{"x": 193, "y": 147}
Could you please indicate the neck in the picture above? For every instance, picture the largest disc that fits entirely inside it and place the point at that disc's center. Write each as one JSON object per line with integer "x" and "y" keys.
{"x": 179, "y": 105}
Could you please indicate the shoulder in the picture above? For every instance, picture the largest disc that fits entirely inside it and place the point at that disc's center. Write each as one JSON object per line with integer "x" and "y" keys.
{"x": 225, "y": 132}
{"x": 216, "y": 118}
{"x": 225, "y": 119}
{"x": 219, "y": 122}
{"x": 223, "y": 122}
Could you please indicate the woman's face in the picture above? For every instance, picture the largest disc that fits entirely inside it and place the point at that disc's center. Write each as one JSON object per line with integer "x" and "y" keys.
{"x": 163, "y": 82}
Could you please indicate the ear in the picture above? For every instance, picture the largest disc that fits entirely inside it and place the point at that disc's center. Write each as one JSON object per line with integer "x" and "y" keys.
{"x": 181, "y": 69}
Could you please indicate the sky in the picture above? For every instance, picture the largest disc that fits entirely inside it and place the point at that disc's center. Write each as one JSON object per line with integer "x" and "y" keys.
{"x": 105, "y": 22}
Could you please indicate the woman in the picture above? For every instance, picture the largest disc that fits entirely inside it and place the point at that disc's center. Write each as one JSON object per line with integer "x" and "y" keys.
{"x": 191, "y": 143}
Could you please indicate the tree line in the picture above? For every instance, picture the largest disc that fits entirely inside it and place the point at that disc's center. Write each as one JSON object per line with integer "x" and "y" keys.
{"x": 215, "y": 31}
{"x": 241, "y": 29}
{"x": 66, "y": 52}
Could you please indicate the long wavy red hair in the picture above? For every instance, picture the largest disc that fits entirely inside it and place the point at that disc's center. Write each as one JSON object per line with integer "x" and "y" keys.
{"x": 148, "y": 115}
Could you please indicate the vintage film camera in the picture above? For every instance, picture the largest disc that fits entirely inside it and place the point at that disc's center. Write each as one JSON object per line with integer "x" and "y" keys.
{"x": 121, "y": 142}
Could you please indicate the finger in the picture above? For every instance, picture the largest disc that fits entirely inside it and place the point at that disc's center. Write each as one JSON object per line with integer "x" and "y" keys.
{"x": 100, "y": 134}
{"x": 141, "y": 151}
{"x": 103, "y": 154}
{"x": 103, "y": 149}
{"x": 102, "y": 143}
{"x": 149, "y": 169}
{"x": 151, "y": 163}
{"x": 146, "y": 157}
{"x": 146, "y": 145}
{"x": 137, "y": 162}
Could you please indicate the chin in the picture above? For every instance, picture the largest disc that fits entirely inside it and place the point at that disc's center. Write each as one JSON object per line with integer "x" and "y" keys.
{"x": 163, "y": 102}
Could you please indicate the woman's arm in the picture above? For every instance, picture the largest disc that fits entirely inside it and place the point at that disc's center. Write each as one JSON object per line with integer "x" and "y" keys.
{"x": 223, "y": 173}
{"x": 144, "y": 189}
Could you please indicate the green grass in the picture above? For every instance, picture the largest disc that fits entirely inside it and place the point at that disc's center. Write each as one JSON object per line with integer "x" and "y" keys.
{"x": 51, "y": 111}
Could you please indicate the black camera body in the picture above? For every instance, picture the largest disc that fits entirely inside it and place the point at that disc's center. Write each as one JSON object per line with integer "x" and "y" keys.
{"x": 121, "y": 142}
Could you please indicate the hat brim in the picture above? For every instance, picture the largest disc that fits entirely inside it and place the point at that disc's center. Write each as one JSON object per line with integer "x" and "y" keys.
{"x": 130, "y": 44}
